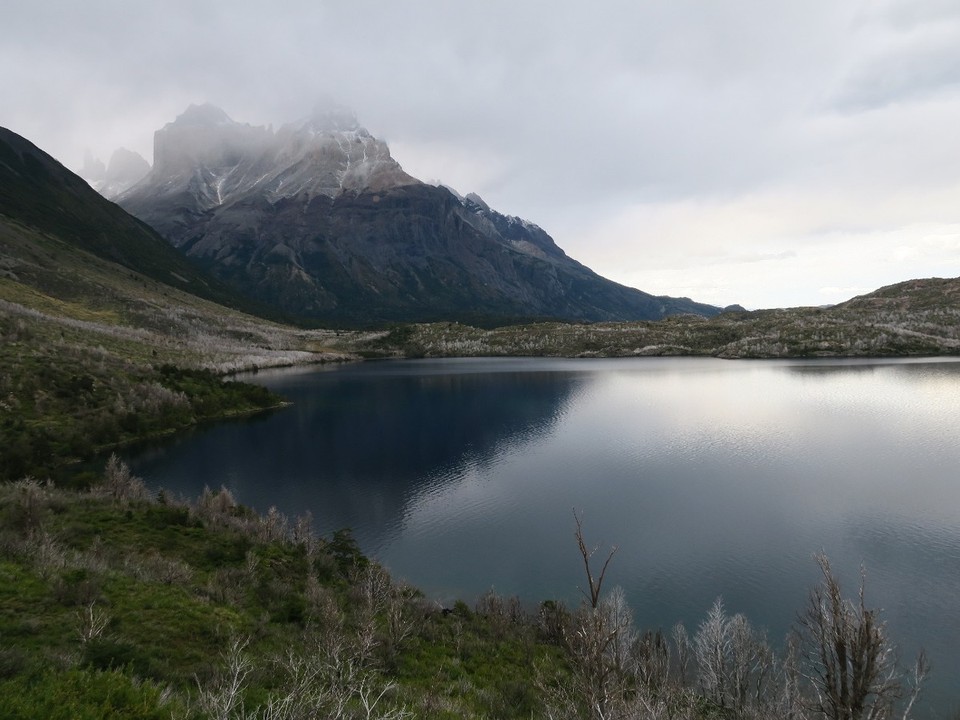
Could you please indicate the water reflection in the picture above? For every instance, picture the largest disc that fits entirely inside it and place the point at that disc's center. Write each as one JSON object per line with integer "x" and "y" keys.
{"x": 359, "y": 442}
{"x": 713, "y": 477}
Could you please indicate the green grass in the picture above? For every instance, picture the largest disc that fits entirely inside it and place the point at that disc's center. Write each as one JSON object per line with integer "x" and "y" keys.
{"x": 174, "y": 583}
{"x": 82, "y": 694}
{"x": 61, "y": 403}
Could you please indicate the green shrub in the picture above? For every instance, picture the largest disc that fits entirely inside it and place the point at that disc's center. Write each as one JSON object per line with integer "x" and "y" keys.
{"x": 81, "y": 695}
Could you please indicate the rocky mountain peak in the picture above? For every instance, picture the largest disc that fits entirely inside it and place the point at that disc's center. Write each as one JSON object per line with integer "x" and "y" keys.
{"x": 207, "y": 156}
{"x": 318, "y": 220}
{"x": 205, "y": 114}
{"x": 125, "y": 169}
{"x": 477, "y": 200}
{"x": 93, "y": 168}
{"x": 204, "y": 137}
{"x": 127, "y": 165}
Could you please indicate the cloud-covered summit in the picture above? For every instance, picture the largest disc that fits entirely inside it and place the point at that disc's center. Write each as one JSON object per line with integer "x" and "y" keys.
{"x": 216, "y": 159}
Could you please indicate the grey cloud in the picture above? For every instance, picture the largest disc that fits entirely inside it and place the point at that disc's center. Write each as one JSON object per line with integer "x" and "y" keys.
{"x": 565, "y": 108}
{"x": 908, "y": 15}
{"x": 902, "y": 51}
{"x": 914, "y": 73}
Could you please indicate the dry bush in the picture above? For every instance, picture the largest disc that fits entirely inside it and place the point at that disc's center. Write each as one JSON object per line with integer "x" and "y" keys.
{"x": 154, "y": 567}
{"x": 120, "y": 484}
{"x": 218, "y": 508}
{"x": 848, "y": 664}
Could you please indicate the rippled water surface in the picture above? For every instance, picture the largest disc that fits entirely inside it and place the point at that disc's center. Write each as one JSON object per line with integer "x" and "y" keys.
{"x": 713, "y": 478}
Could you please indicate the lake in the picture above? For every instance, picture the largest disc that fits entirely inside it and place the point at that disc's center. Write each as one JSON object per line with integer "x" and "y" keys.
{"x": 712, "y": 477}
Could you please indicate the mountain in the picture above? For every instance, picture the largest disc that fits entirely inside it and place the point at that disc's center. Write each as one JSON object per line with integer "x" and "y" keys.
{"x": 319, "y": 220}
{"x": 37, "y": 192}
{"x": 125, "y": 169}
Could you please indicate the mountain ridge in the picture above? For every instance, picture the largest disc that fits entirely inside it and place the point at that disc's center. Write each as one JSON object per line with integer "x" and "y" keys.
{"x": 319, "y": 220}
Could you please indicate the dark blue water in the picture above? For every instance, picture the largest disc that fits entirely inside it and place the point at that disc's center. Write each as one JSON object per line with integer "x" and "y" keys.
{"x": 713, "y": 478}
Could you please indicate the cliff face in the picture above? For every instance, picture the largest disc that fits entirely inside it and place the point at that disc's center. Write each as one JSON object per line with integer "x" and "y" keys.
{"x": 320, "y": 221}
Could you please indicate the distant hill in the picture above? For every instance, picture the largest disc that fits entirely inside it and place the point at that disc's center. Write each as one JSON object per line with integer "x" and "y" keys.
{"x": 319, "y": 220}
{"x": 912, "y": 318}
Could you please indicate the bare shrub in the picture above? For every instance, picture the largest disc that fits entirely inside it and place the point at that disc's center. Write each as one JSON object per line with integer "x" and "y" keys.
{"x": 95, "y": 558}
{"x": 652, "y": 660}
{"x": 46, "y": 554}
{"x": 303, "y": 534}
{"x": 735, "y": 665}
{"x": 847, "y": 661}
{"x": 120, "y": 484}
{"x": 31, "y": 501}
{"x": 553, "y": 621}
{"x": 154, "y": 567}
{"x": 216, "y": 507}
{"x": 91, "y": 622}
{"x": 273, "y": 527}
{"x": 322, "y": 606}
{"x": 221, "y": 698}
{"x": 227, "y": 585}
{"x": 325, "y": 676}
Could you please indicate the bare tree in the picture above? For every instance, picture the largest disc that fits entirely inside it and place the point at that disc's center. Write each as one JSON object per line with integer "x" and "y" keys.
{"x": 599, "y": 641}
{"x": 684, "y": 649}
{"x": 595, "y": 584}
{"x": 120, "y": 484}
{"x": 736, "y": 666}
{"x": 711, "y": 647}
{"x": 222, "y": 698}
{"x": 846, "y": 658}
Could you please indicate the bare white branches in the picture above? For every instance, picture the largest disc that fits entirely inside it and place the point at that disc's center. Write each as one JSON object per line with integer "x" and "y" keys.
{"x": 222, "y": 697}
{"x": 838, "y": 665}
{"x": 594, "y": 583}
{"x": 91, "y": 622}
{"x": 848, "y": 661}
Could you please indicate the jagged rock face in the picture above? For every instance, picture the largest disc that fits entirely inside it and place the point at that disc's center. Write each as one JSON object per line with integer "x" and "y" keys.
{"x": 218, "y": 161}
{"x": 125, "y": 169}
{"x": 319, "y": 220}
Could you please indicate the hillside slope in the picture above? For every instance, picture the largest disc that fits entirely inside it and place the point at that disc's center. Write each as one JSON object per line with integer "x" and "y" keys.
{"x": 40, "y": 193}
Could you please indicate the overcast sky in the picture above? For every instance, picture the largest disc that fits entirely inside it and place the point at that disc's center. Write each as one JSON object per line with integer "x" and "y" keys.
{"x": 783, "y": 153}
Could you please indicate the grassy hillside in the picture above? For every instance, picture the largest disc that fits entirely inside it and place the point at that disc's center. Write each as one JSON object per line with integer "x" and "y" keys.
{"x": 38, "y": 192}
{"x": 120, "y": 603}
{"x": 108, "y": 334}
{"x": 93, "y": 354}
